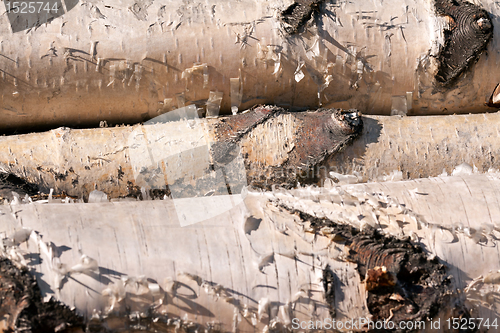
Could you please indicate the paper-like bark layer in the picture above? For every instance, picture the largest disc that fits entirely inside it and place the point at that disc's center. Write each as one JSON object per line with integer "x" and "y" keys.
{"x": 129, "y": 61}
{"x": 273, "y": 265}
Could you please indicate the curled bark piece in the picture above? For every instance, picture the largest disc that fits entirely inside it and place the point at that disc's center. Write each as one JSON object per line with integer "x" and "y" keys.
{"x": 494, "y": 100}
{"x": 134, "y": 61}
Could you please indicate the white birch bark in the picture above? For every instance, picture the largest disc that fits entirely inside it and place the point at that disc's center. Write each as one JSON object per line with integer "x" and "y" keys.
{"x": 111, "y": 159}
{"x": 126, "y": 61}
{"x": 234, "y": 272}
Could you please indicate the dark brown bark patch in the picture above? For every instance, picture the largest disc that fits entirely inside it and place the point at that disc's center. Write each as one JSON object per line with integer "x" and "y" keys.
{"x": 470, "y": 29}
{"x": 11, "y": 183}
{"x": 21, "y": 302}
{"x": 229, "y": 131}
{"x": 320, "y": 133}
{"x": 329, "y": 280}
{"x": 295, "y": 16}
{"x": 403, "y": 284}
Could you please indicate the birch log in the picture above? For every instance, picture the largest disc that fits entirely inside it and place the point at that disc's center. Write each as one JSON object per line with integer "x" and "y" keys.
{"x": 420, "y": 147}
{"x": 270, "y": 268}
{"x": 184, "y": 158}
{"x": 176, "y": 156}
{"x": 128, "y": 61}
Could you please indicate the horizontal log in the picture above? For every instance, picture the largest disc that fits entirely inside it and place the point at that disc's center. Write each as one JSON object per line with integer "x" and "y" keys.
{"x": 181, "y": 158}
{"x": 262, "y": 148}
{"x": 420, "y": 147}
{"x": 128, "y": 61}
{"x": 285, "y": 255}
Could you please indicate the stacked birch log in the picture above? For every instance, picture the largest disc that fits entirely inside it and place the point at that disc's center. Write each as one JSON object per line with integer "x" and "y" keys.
{"x": 295, "y": 216}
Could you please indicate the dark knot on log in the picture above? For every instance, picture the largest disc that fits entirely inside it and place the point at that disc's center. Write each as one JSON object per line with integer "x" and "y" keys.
{"x": 296, "y": 16}
{"x": 469, "y": 31}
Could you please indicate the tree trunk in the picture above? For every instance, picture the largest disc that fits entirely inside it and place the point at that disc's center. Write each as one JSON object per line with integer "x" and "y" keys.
{"x": 182, "y": 158}
{"x": 262, "y": 148}
{"x": 420, "y": 147}
{"x": 284, "y": 255}
{"x": 128, "y": 61}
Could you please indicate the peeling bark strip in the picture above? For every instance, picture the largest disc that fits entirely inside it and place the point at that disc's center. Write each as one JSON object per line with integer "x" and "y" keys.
{"x": 402, "y": 283}
{"x": 470, "y": 29}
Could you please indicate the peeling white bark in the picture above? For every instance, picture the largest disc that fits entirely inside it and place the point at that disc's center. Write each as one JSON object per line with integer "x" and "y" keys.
{"x": 156, "y": 155}
{"x": 265, "y": 271}
{"x": 104, "y": 61}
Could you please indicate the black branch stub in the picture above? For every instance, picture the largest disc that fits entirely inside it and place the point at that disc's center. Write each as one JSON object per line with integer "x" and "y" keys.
{"x": 295, "y": 16}
{"x": 318, "y": 134}
{"x": 468, "y": 33}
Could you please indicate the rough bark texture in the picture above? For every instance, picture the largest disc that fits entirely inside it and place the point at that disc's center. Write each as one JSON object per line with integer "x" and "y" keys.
{"x": 303, "y": 253}
{"x": 470, "y": 29}
{"x": 401, "y": 282}
{"x": 419, "y": 147}
{"x": 263, "y": 147}
{"x": 128, "y": 61}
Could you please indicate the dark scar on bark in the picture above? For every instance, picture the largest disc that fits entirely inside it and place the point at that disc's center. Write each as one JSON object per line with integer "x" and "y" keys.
{"x": 402, "y": 283}
{"x": 320, "y": 133}
{"x": 295, "y": 16}
{"x": 329, "y": 280}
{"x": 231, "y": 130}
{"x": 470, "y": 29}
